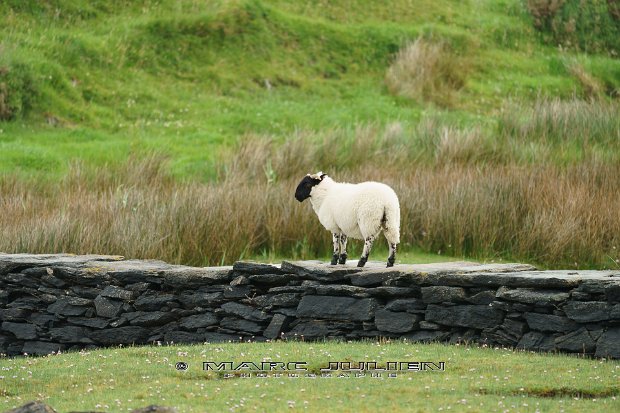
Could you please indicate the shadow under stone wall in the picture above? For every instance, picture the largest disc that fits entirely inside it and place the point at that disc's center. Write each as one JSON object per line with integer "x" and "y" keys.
{"x": 67, "y": 302}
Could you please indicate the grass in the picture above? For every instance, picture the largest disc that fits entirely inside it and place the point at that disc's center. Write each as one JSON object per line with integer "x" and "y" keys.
{"x": 476, "y": 379}
{"x": 537, "y": 186}
{"x": 143, "y": 128}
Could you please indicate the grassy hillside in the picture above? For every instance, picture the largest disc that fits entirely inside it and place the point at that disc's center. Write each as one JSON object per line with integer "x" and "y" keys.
{"x": 185, "y": 77}
{"x": 104, "y": 102}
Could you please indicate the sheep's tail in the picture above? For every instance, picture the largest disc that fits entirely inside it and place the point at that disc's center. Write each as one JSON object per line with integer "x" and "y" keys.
{"x": 391, "y": 223}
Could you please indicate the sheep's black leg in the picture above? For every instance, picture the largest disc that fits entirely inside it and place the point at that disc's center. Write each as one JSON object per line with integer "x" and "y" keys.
{"x": 336, "y": 241}
{"x": 367, "y": 247}
{"x": 343, "y": 249}
{"x": 392, "y": 256}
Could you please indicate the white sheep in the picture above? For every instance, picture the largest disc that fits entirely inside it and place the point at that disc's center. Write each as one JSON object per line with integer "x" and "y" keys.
{"x": 359, "y": 211}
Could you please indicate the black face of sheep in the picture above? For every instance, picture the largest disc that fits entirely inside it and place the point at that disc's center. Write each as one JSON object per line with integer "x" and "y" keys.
{"x": 305, "y": 187}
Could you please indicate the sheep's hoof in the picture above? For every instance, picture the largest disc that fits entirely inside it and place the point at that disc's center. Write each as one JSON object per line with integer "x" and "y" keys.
{"x": 390, "y": 264}
{"x": 343, "y": 259}
{"x": 362, "y": 262}
{"x": 334, "y": 259}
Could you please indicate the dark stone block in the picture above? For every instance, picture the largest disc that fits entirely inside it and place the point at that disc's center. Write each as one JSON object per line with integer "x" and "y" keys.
{"x": 427, "y": 325}
{"x": 32, "y": 407}
{"x": 342, "y": 290}
{"x": 548, "y": 322}
{"x": 285, "y": 300}
{"x": 319, "y": 271}
{"x": 56, "y": 292}
{"x": 41, "y": 348}
{"x": 475, "y": 316}
{"x": 240, "y": 280}
{"x": 201, "y": 299}
{"x": 536, "y": 297}
{"x": 88, "y": 292}
{"x": 21, "y": 280}
{"x": 536, "y": 341}
{"x": 197, "y": 321}
{"x": 221, "y": 338}
{"x": 153, "y": 318}
{"x": 588, "y": 312}
{"x": 53, "y": 281}
{"x": 239, "y": 291}
{"x": 612, "y": 293}
{"x": 411, "y": 305}
{"x": 241, "y": 325}
{"x": 395, "y": 322}
{"x": 277, "y": 300}
{"x": 70, "y": 306}
{"x": 580, "y": 296}
{"x": 578, "y": 341}
{"x": 106, "y": 307}
{"x": 28, "y": 303}
{"x": 244, "y": 311}
{"x": 153, "y": 302}
{"x": 337, "y": 308}
{"x": 43, "y": 320}
{"x": 14, "y": 314}
{"x": 608, "y": 344}
{"x": 138, "y": 288}
{"x": 37, "y": 271}
{"x": 372, "y": 278}
{"x": 89, "y": 322}
{"x": 112, "y": 291}
{"x": 293, "y": 289}
{"x": 278, "y": 324}
{"x": 390, "y": 292}
{"x": 460, "y": 337}
{"x": 508, "y": 334}
{"x": 21, "y": 331}
{"x": 427, "y": 336}
{"x": 440, "y": 294}
{"x": 290, "y": 312}
{"x": 256, "y": 268}
{"x": 312, "y": 329}
{"x": 183, "y": 337}
{"x": 271, "y": 279}
{"x": 70, "y": 334}
{"x": 482, "y": 298}
{"x": 120, "y": 335}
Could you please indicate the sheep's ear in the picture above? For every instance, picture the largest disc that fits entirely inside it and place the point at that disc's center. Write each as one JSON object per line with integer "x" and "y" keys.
{"x": 318, "y": 175}
{"x": 322, "y": 176}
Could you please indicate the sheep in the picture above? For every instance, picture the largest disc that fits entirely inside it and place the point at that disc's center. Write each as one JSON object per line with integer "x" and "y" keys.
{"x": 359, "y": 211}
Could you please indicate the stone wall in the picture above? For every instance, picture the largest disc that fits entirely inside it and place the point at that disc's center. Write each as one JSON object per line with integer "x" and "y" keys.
{"x": 65, "y": 302}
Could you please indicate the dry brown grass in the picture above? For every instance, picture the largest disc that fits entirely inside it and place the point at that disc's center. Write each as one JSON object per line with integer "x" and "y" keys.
{"x": 427, "y": 71}
{"x": 591, "y": 86}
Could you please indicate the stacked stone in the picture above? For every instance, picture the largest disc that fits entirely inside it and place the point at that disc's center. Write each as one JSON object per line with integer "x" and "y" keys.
{"x": 61, "y": 302}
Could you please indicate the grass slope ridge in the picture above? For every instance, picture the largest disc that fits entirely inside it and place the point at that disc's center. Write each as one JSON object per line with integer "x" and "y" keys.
{"x": 77, "y": 60}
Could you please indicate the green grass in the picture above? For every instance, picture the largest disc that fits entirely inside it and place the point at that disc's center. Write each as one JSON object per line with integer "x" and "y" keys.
{"x": 475, "y": 379}
{"x": 93, "y": 81}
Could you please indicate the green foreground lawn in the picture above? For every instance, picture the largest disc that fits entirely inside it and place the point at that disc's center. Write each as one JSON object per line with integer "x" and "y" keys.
{"x": 475, "y": 379}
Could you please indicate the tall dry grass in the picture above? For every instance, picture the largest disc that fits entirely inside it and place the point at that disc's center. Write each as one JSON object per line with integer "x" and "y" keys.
{"x": 426, "y": 70}
{"x": 462, "y": 192}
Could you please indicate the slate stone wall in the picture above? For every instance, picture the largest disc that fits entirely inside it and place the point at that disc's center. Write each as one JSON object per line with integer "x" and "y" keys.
{"x": 64, "y": 302}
